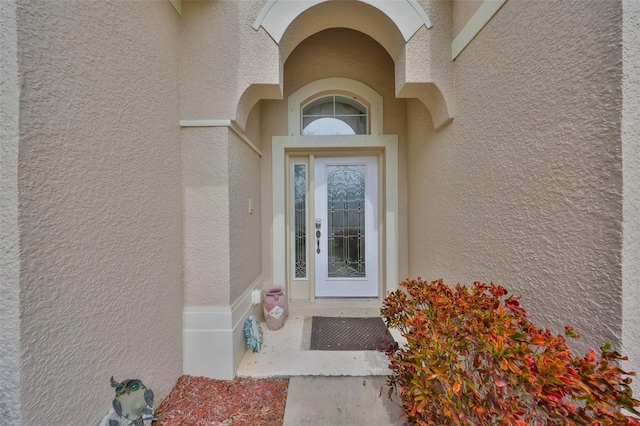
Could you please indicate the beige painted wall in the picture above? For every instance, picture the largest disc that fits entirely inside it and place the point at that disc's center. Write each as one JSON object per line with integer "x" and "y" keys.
{"x": 205, "y": 178}
{"x": 100, "y": 204}
{"x": 274, "y": 122}
{"x": 335, "y": 53}
{"x": 221, "y": 56}
{"x": 9, "y": 234}
{"x": 631, "y": 187}
{"x": 214, "y": 74}
{"x": 245, "y": 229}
{"x": 222, "y": 247}
{"x": 524, "y": 187}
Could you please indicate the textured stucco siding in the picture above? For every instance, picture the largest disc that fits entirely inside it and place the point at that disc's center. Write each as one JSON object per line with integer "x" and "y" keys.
{"x": 208, "y": 60}
{"x": 273, "y": 123}
{"x": 524, "y": 187}
{"x": 438, "y": 43}
{"x": 245, "y": 227}
{"x": 9, "y": 235}
{"x": 631, "y": 187}
{"x": 222, "y": 254}
{"x": 100, "y": 204}
{"x": 205, "y": 178}
{"x": 221, "y": 56}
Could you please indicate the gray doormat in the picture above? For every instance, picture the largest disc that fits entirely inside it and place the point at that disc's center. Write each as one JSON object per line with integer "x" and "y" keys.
{"x": 349, "y": 334}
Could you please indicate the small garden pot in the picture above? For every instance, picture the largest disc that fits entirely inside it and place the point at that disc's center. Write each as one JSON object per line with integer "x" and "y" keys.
{"x": 275, "y": 307}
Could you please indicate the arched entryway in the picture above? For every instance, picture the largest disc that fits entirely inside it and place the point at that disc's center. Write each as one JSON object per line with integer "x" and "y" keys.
{"x": 364, "y": 72}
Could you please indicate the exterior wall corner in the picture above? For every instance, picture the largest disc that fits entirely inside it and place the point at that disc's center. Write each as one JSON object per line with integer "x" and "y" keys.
{"x": 10, "y": 347}
{"x": 631, "y": 187}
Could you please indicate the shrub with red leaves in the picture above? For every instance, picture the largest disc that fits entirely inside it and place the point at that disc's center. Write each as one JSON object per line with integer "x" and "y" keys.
{"x": 474, "y": 358}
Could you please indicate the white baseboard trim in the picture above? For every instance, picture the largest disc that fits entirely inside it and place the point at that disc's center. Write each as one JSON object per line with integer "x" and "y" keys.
{"x": 213, "y": 341}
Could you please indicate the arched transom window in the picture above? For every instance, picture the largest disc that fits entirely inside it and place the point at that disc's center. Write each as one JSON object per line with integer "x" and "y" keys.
{"x": 334, "y": 115}
{"x": 334, "y": 107}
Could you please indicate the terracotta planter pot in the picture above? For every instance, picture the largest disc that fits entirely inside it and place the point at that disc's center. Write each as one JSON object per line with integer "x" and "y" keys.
{"x": 275, "y": 307}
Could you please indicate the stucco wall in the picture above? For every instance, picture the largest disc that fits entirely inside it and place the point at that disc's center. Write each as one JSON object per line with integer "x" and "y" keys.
{"x": 221, "y": 56}
{"x": 336, "y": 53}
{"x": 100, "y": 204}
{"x": 274, "y": 122}
{"x": 245, "y": 228}
{"x": 463, "y": 10}
{"x": 524, "y": 187}
{"x": 9, "y": 235}
{"x": 206, "y": 216}
{"x": 631, "y": 186}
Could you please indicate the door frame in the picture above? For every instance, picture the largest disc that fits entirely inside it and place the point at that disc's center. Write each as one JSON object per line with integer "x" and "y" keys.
{"x": 386, "y": 148}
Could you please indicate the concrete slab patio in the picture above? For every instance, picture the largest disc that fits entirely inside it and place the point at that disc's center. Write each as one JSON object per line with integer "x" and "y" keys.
{"x": 286, "y": 353}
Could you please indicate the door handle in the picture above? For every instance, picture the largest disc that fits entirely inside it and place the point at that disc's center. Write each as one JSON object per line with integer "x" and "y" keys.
{"x": 318, "y": 233}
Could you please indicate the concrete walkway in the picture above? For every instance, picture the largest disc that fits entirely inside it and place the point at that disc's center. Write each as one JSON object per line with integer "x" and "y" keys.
{"x": 329, "y": 401}
{"x": 325, "y": 387}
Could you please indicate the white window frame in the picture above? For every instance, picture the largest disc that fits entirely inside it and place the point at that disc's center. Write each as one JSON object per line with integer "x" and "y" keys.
{"x": 334, "y": 96}
{"x": 335, "y": 86}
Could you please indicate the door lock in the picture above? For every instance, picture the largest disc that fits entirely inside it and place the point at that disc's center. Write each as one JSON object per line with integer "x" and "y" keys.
{"x": 318, "y": 226}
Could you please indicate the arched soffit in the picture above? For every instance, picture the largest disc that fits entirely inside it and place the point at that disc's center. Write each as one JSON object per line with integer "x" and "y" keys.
{"x": 339, "y": 14}
{"x": 250, "y": 98}
{"x": 276, "y": 16}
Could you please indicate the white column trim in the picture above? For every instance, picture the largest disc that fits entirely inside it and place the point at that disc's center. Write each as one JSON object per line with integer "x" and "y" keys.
{"x": 213, "y": 342}
{"x": 479, "y": 19}
{"x": 231, "y": 124}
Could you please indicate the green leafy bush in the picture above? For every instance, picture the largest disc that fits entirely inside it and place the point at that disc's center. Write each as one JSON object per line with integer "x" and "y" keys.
{"x": 474, "y": 358}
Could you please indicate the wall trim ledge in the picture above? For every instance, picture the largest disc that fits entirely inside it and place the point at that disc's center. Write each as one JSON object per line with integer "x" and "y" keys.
{"x": 483, "y": 15}
{"x": 213, "y": 342}
{"x": 231, "y": 124}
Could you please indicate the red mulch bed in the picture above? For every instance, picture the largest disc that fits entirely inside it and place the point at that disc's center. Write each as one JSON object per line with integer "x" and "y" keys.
{"x": 198, "y": 401}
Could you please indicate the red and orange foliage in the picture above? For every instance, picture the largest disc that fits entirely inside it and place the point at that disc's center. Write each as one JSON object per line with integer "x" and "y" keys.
{"x": 473, "y": 357}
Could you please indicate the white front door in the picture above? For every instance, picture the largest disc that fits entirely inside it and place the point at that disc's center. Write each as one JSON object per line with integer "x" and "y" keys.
{"x": 346, "y": 226}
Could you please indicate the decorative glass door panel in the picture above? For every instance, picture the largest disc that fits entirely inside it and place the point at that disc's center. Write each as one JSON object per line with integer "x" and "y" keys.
{"x": 345, "y": 221}
{"x": 346, "y": 227}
